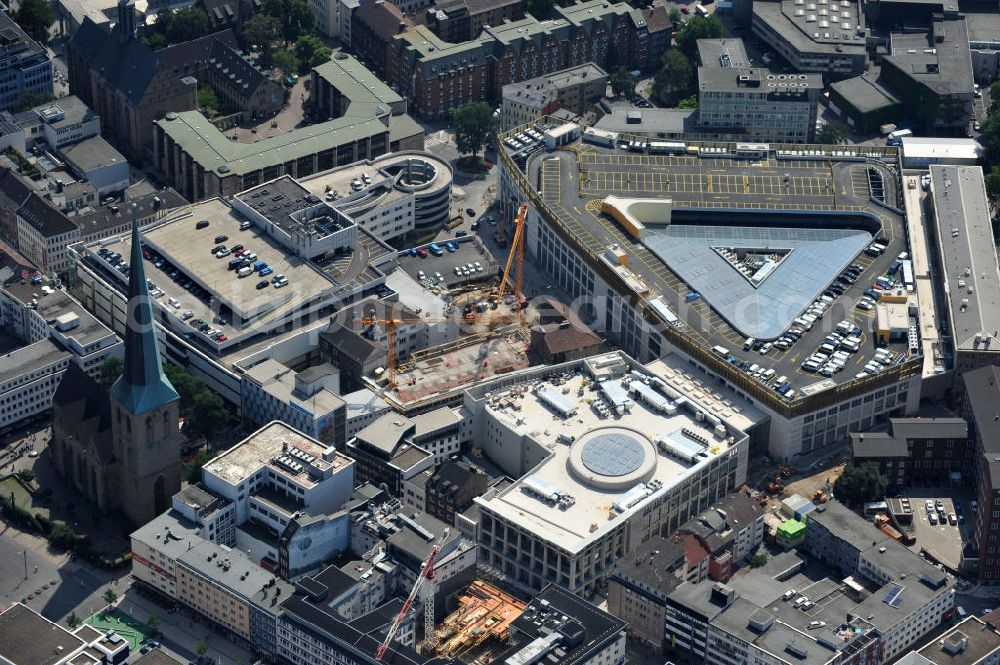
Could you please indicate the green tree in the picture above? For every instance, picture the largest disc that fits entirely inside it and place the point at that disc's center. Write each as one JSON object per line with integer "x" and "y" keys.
{"x": 994, "y": 94}
{"x": 207, "y": 416}
{"x": 990, "y": 138}
{"x": 186, "y": 384}
{"x": 154, "y": 623}
{"x": 35, "y": 17}
{"x": 109, "y": 371}
{"x": 295, "y": 16}
{"x": 27, "y": 475}
{"x": 860, "y": 483}
{"x": 30, "y": 100}
{"x": 207, "y": 98}
{"x": 622, "y": 83}
{"x": 830, "y": 135}
{"x": 474, "y": 127}
{"x": 262, "y": 31}
{"x": 688, "y": 102}
{"x": 675, "y": 75}
{"x": 154, "y": 40}
{"x": 758, "y": 560}
{"x": 695, "y": 28}
{"x": 195, "y": 465}
{"x": 993, "y": 184}
{"x": 311, "y": 51}
{"x": 286, "y": 61}
{"x": 110, "y": 596}
{"x": 187, "y": 24}
{"x": 73, "y": 621}
{"x": 675, "y": 16}
{"x": 201, "y": 647}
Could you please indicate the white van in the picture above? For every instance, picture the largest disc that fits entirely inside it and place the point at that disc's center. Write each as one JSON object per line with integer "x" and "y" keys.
{"x": 244, "y": 271}
{"x": 747, "y": 345}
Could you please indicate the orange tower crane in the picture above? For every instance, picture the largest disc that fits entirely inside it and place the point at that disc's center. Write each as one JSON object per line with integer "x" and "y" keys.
{"x": 516, "y": 251}
{"x": 390, "y": 328}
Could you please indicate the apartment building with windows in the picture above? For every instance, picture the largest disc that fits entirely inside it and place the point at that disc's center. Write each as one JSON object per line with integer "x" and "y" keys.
{"x": 575, "y": 89}
{"x": 981, "y": 395}
{"x": 758, "y": 105}
{"x": 25, "y": 67}
{"x": 29, "y": 377}
{"x": 924, "y": 451}
{"x": 308, "y": 400}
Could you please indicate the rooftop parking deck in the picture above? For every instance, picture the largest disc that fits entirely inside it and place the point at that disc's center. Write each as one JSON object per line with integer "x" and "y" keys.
{"x": 180, "y": 263}
{"x": 799, "y": 204}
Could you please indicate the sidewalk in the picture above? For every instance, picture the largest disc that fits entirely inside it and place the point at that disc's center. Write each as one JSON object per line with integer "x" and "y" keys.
{"x": 180, "y": 634}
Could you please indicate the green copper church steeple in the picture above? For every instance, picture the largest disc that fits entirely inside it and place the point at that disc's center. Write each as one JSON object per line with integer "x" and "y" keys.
{"x": 142, "y": 386}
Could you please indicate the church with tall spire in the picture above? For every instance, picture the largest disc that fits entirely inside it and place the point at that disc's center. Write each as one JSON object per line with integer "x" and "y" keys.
{"x": 121, "y": 448}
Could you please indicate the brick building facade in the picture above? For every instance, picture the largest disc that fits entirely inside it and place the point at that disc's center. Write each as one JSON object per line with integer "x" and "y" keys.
{"x": 437, "y": 75}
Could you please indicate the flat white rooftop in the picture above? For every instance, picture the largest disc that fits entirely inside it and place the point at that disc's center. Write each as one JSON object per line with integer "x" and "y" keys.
{"x": 273, "y": 442}
{"x": 603, "y": 466}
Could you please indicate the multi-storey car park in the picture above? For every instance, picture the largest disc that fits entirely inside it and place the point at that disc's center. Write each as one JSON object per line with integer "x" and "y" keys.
{"x": 323, "y": 235}
{"x": 697, "y": 248}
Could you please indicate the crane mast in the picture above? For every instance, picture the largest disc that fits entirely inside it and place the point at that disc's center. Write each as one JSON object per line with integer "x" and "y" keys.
{"x": 426, "y": 573}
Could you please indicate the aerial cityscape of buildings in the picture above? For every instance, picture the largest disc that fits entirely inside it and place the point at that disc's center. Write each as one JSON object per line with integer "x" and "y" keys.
{"x": 440, "y": 332}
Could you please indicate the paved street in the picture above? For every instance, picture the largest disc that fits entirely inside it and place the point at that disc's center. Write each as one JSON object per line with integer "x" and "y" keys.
{"x": 55, "y": 585}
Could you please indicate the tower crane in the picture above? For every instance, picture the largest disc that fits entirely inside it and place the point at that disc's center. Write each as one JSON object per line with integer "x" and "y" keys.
{"x": 390, "y": 324}
{"x": 426, "y": 573}
{"x": 516, "y": 252}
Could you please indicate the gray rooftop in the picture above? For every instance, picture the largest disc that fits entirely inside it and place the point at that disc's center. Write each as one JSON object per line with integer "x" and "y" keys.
{"x": 892, "y": 444}
{"x": 234, "y": 570}
{"x": 541, "y": 90}
{"x": 64, "y": 112}
{"x": 864, "y": 94}
{"x": 90, "y": 154}
{"x": 30, "y": 358}
{"x": 846, "y": 525}
{"x": 965, "y": 240}
{"x": 756, "y": 80}
{"x": 807, "y": 36}
{"x": 967, "y": 643}
{"x": 170, "y": 533}
{"x": 940, "y": 60}
{"x": 29, "y": 638}
{"x": 725, "y": 52}
{"x": 57, "y": 303}
{"x": 658, "y": 121}
{"x": 763, "y": 310}
{"x": 387, "y": 432}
